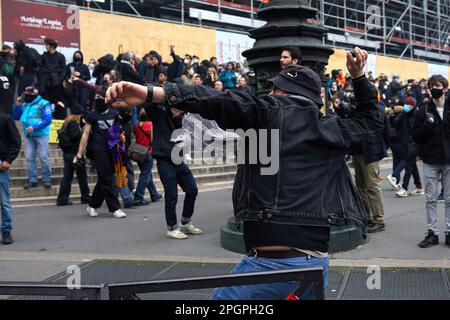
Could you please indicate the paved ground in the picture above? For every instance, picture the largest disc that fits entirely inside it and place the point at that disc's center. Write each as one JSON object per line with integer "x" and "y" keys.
{"x": 49, "y": 238}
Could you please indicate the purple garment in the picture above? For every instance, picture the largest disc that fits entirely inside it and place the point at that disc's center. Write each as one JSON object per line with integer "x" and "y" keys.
{"x": 114, "y": 134}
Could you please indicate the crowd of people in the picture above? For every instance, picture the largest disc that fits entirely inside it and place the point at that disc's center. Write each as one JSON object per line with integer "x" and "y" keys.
{"x": 363, "y": 117}
{"x": 40, "y": 88}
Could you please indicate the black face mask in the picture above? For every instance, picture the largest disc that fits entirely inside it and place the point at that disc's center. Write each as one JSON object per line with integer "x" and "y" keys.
{"x": 29, "y": 98}
{"x": 100, "y": 105}
{"x": 104, "y": 83}
{"x": 437, "y": 93}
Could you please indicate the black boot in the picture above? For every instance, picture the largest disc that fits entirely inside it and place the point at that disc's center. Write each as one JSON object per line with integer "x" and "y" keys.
{"x": 430, "y": 240}
{"x": 7, "y": 238}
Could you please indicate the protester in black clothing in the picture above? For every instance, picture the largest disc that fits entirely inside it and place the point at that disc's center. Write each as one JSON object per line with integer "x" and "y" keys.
{"x": 175, "y": 69}
{"x": 80, "y": 70}
{"x": 127, "y": 70}
{"x": 6, "y": 95}
{"x": 278, "y": 223}
{"x": 96, "y": 131}
{"x": 51, "y": 76}
{"x": 28, "y": 61}
{"x": 104, "y": 66}
{"x": 9, "y": 150}
{"x": 69, "y": 140}
{"x": 403, "y": 124}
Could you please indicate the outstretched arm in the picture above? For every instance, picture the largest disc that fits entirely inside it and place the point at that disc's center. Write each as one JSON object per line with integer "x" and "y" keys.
{"x": 230, "y": 109}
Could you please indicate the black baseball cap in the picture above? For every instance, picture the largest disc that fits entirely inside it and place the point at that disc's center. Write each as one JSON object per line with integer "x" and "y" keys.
{"x": 299, "y": 80}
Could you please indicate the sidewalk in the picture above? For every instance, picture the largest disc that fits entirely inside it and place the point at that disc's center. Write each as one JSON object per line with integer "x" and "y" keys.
{"x": 48, "y": 238}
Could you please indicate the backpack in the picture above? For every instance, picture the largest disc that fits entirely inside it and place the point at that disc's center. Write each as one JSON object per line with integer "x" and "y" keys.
{"x": 64, "y": 141}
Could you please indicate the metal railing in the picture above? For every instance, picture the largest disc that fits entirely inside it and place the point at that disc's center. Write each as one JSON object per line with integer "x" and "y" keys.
{"x": 305, "y": 276}
{"x": 89, "y": 292}
{"x": 129, "y": 291}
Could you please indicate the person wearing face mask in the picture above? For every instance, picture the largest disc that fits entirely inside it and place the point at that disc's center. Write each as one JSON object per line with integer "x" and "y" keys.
{"x": 35, "y": 113}
{"x": 91, "y": 66}
{"x": 188, "y": 75}
{"x": 431, "y": 133}
{"x": 107, "y": 80}
{"x": 403, "y": 124}
{"x": 77, "y": 65}
{"x": 98, "y": 122}
{"x": 79, "y": 69}
{"x": 196, "y": 64}
{"x": 187, "y": 59}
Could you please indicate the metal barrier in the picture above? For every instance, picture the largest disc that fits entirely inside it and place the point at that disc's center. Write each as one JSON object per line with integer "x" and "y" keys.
{"x": 90, "y": 292}
{"x": 305, "y": 276}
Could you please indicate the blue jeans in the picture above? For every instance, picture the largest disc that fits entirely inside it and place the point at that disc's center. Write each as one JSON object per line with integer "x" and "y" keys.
{"x": 172, "y": 175}
{"x": 126, "y": 195}
{"x": 146, "y": 180}
{"x": 5, "y": 202}
{"x": 37, "y": 145}
{"x": 271, "y": 291}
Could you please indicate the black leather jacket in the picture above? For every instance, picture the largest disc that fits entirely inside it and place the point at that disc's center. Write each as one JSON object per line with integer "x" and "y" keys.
{"x": 313, "y": 185}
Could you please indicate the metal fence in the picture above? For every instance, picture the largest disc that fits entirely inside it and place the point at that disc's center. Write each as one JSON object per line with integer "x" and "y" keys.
{"x": 89, "y": 292}
{"x": 305, "y": 276}
{"x": 129, "y": 291}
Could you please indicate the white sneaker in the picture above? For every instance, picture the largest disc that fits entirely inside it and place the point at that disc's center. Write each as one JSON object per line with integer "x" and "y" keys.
{"x": 402, "y": 193}
{"x": 393, "y": 181}
{"x": 190, "y": 229}
{"x": 176, "y": 234}
{"x": 418, "y": 192}
{"x": 119, "y": 214}
{"x": 92, "y": 212}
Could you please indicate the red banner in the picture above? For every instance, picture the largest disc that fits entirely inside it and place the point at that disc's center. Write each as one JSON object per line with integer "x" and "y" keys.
{"x": 33, "y": 22}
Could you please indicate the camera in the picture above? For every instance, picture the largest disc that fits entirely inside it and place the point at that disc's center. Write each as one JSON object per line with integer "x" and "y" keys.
{"x": 79, "y": 162}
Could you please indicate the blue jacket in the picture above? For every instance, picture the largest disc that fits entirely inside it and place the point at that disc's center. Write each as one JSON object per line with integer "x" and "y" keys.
{"x": 228, "y": 78}
{"x": 37, "y": 114}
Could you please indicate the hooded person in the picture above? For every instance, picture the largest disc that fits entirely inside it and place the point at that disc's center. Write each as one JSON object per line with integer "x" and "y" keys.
{"x": 28, "y": 61}
{"x": 77, "y": 65}
{"x": 79, "y": 69}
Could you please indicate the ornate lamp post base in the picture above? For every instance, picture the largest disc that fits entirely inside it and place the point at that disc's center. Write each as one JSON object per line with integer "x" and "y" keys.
{"x": 341, "y": 238}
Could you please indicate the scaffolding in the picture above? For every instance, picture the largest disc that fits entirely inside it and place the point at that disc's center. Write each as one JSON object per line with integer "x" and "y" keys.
{"x": 403, "y": 28}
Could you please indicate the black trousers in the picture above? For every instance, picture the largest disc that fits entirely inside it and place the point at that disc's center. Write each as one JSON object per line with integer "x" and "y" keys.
{"x": 411, "y": 169}
{"x": 172, "y": 175}
{"x": 66, "y": 182}
{"x": 104, "y": 189}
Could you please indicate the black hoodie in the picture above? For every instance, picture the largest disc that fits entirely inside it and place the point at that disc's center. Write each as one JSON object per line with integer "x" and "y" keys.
{"x": 105, "y": 65}
{"x": 79, "y": 66}
{"x": 28, "y": 58}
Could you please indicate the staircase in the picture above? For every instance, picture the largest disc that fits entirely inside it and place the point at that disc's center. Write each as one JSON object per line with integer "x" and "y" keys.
{"x": 214, "y": 176}
{"x": 208, "y": 177}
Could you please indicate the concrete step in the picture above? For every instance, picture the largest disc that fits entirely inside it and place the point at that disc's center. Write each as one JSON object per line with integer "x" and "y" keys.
{"x": 19, "y": 181}
{"x": 20, "y": 193}
{"x": 51, "y": 200}
{"x": 59, "y": 162}
{"x": 22, "y": 172}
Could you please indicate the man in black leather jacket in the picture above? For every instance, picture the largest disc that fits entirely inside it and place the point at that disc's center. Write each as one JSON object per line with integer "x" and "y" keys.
{"x": 286, "y": 214}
